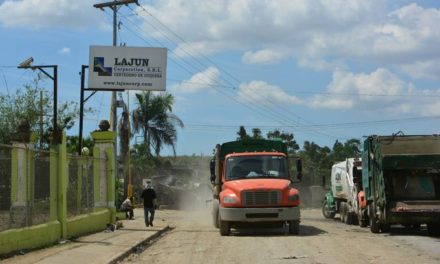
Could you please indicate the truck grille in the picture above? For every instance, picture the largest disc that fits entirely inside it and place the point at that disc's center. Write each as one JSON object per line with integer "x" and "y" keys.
{"x": 261, "y": 198}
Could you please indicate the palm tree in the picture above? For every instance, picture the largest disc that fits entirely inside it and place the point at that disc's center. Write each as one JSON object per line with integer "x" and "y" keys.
{"x": 153, "y": 116}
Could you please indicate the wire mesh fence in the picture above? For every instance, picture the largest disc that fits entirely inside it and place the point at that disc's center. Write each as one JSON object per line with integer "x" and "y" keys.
{"x": 87, "y": 199}
{"x": 72, "y": 186}
{"x": 80, "y": 190}
{"x": 40, "y": 196}
{"x": 5, "y": 186}
{"x": 24, "y": 186}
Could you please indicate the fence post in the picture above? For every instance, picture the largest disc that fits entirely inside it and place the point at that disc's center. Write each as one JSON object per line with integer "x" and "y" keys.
{"x": 53, "y": 183}
{"x": 111, "y": 183}
{"x": 20, "y": 169}
{"x": 103, "y": 167}
{"x": 62, "y": 186}
{"x": 19, "y": 185}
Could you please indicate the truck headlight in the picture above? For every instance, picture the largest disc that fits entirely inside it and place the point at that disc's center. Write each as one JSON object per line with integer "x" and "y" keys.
{"x": 294, "y": 198}
{"x": 229, "y": 199}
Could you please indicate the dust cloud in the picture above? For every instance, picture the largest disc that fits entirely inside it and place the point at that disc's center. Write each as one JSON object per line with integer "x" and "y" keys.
{"x": 186, "y": 187}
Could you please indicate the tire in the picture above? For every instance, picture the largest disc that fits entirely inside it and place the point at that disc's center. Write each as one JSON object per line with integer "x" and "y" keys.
{"x": 225, "y": 227}
{"x": 374, "y": 223}
{"x": 294, "y": 227}
{"x": 326, "y": 212}
{"x": 215, "y": 214}
{"x": 434, "y": 229}
{"x": 354, "y": 219}
{"x": 350, "y": 218}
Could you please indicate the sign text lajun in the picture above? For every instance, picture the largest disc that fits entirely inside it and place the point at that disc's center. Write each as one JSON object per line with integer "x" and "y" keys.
{"x": 127, "y": 68}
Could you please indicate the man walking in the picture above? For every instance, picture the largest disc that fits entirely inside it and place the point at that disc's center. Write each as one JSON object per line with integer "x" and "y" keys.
{"x": 150, "y": 203}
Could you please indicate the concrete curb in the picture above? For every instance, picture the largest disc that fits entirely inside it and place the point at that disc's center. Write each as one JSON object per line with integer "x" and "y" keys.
{"x": 144, "y": 242}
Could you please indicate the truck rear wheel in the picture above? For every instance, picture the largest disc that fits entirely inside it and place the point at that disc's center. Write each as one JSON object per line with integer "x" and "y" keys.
{"x": 294, "y": 227}
{"x": 350, "y": 218}
{"x": 225, "y": 227}
{"x": 326, "y": 211}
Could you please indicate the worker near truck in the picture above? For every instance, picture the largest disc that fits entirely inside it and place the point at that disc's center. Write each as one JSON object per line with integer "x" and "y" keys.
{"x": 150, "y": 203}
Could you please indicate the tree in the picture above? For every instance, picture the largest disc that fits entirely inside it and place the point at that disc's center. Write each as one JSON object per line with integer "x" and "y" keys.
{"x": 351, "y": 148}
{"x": 73, "y": 141}
{"x": 338, "y": 151}
{"x": 242, "y": 134}
{"x": 287, "y": 138}
{"x": 154, "y": 118}
{"x": 256, "y": 133}
{"x": 34, "y": 104}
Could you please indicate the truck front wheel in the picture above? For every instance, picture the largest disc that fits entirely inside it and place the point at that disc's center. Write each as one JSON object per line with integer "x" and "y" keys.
{"x": 326, "y": 212}
{"x": 225, "y": 227}
{"x": 294, "y": 227}
{"x": 215, "y": 213}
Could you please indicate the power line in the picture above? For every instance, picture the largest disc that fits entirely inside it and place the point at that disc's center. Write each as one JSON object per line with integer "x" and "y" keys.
{"x": 316, "y": 92}
{"x": 194, "y": 67}
{"x": 329, "y": 125}
{"x": 275, "y": 113}
{"x": 190, "y": 54}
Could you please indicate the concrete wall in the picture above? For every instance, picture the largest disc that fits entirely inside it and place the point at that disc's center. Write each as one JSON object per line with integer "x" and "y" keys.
{"x": 37, "y": 236}
{"x": 88, "y": 223}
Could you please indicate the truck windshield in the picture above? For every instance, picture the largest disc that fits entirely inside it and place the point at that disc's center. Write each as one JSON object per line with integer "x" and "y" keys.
{"x": 247, "y": 167}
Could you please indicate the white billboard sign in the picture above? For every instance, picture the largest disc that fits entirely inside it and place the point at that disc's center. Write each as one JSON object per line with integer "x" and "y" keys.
{"x": 127, "y": 68}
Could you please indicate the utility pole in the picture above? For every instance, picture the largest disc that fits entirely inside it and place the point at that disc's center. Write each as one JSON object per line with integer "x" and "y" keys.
{"x": 114, "y": 5}
{"x": 41, "y": 119}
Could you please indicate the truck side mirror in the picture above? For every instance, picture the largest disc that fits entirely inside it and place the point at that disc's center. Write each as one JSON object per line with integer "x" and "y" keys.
{"x": 299, "y": 169}
{"x": 212, "y": 168}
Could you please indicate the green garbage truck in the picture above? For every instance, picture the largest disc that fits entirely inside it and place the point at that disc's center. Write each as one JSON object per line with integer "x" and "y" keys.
{"x": 401, "y": 181}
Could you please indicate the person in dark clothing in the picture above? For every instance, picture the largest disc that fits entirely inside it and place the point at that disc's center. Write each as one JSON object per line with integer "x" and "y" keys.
{"x": 150, "y": 203}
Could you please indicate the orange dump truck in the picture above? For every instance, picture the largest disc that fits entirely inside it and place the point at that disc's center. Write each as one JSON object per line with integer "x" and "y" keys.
{"x": 252, "y": 186}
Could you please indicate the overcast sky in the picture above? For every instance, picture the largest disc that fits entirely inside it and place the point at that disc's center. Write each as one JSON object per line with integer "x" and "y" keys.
{"x": 323, "y": 70}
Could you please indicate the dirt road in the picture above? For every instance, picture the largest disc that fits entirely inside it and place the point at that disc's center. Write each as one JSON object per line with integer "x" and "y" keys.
{"x": 195, "y": 240}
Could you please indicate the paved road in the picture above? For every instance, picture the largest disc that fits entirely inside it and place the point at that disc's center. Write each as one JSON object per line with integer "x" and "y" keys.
{"x": 195, "y": 240}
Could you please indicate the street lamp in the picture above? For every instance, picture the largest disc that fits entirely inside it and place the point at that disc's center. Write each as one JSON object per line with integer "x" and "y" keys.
{"x": 27, "y": 64}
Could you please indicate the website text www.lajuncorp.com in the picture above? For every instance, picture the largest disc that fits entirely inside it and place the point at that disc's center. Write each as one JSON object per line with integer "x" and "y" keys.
{"x": 136, "y": 84}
